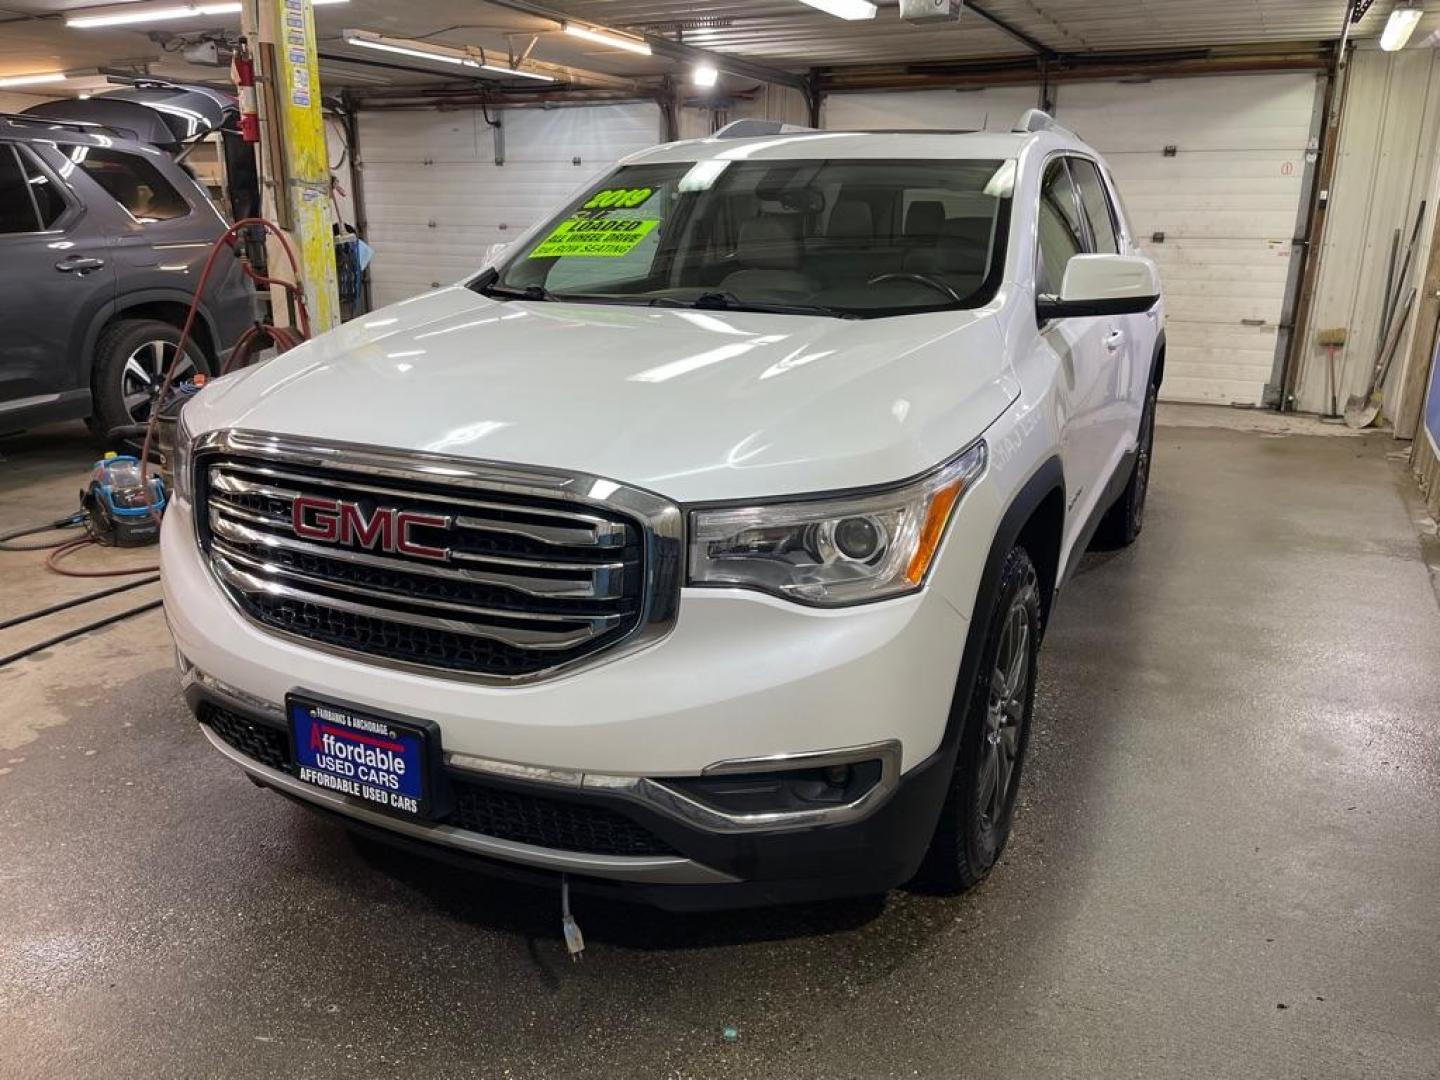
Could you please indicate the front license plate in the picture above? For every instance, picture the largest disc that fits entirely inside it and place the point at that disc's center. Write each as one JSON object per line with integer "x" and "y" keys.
{"x": 359, "y": 754}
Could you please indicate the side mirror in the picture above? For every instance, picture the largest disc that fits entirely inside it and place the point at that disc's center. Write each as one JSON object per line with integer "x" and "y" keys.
{"x": 1103, "y": 285}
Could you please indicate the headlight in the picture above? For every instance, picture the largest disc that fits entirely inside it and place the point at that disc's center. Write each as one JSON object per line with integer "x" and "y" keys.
{"x": 837, "y": 551}
{"x": 182, "y": 476}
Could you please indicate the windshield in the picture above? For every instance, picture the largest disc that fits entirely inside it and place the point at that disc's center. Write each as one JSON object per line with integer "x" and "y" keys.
{"x": 847, "y": 238}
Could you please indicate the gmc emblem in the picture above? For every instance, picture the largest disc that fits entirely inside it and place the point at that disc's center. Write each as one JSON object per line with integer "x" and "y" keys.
{"x": 332, "y": 521}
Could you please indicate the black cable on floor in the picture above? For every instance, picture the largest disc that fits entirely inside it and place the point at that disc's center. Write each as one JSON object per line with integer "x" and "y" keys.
{"x": 30, "y": 530}
{"x": 77, "y": 632}
{"x": 66, "y": 605}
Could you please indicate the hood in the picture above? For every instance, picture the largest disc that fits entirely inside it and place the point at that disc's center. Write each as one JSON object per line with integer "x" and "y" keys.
{"x": 694, "y": 405}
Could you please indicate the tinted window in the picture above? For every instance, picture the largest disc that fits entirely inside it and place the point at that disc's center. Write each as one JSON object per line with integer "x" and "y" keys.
{"x": 1097, "y": 205}
{"x": 808, "y": 234}
{"x": 133, "y": 182}
{"x": 1061, "y": 236}
{"x": 17, "y": 214}
{"x": 48, "y": 199}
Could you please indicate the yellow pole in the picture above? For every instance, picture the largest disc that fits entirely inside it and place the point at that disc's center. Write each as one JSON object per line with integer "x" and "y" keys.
{"x": 297, "y": 162}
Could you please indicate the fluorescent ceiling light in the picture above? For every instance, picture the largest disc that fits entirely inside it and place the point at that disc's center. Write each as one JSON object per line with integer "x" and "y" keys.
{"x": 704, "y": 75}
{"x": 1399, "y": 27}
{"x": 127, "y": 14}
{"x": 610, "y": 38}
{"x": 320, "y": 3}
{"x": 844, "y": 9}
{"x": 32, "y": 80}
{"x": 503, "y": 70}
{"x": 443, "y": 54}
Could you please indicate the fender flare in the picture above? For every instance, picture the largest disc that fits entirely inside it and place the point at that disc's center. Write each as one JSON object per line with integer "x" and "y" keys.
{"x": 116, "y": 309}
{"x": 1157, "y": 359}
{"x": 1048, "y": 478}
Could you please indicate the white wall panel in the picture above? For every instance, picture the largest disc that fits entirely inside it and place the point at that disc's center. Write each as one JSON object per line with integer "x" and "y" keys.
{"x": 1385, "y": 167}
{"x": 435, "y": 199}
{"x": 990, "y": 109}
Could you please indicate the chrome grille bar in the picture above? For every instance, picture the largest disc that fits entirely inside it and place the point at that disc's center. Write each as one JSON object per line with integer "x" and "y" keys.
{"x": 260, "y": 585}
{"x": 567, "y": 529}
{"x": 602, "y": 581}
{"x": 381, "y": 596}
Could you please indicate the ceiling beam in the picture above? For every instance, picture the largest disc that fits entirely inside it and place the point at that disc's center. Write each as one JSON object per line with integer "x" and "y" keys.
{"x": 673, "y": 50}
{"x": 1039, "y": 48}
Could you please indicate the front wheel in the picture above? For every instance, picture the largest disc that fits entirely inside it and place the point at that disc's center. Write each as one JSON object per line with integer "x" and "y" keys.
{"x": 975, "y": 821}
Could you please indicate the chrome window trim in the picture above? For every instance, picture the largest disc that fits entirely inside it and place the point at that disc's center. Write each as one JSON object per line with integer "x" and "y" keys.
{"x": 660, "y": 520}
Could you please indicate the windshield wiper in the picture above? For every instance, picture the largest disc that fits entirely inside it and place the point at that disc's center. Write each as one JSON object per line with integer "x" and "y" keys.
{"x": 528, "y": 292}
{"x": 728, "y": 301}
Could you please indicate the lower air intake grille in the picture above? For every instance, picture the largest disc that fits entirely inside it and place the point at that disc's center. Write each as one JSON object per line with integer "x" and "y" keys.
{"x": 267, "y": 745}
{"x": 550, "y": 823}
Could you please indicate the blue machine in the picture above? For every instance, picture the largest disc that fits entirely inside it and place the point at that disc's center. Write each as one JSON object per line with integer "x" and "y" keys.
{"x": 118, "y": 510}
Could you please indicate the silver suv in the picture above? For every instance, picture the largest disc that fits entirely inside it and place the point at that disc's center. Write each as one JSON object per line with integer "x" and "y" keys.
{"x": 101, "y": 244}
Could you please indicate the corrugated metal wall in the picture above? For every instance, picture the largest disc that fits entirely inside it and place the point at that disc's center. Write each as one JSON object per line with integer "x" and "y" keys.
{"x": 1386, "y": 165}
{"x": 435, "y": 198}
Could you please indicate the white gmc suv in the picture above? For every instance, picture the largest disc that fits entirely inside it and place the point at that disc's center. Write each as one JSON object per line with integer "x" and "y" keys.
{"x": 699, "y": 548}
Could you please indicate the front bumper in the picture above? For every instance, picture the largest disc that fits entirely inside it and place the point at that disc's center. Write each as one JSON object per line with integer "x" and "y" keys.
{"x": 687, "y": 866}
{"x": 742, "y": 676}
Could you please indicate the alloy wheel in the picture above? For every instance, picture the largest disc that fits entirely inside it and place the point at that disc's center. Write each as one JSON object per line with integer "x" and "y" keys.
{"x": 1005, "y": 714}
{"x": 143, "y": 373}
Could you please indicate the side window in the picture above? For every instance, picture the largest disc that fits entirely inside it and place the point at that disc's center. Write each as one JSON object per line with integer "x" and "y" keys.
{"x": 1061, "y": 236}
{"x": 1097, "y": 205}
{"x": 17, "y": 213}
{"x": 48, "y": 200}
{"x": 133, "y": 182}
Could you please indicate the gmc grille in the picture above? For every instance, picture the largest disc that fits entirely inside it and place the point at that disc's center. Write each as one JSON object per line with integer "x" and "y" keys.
{"x": 495, "y": 572}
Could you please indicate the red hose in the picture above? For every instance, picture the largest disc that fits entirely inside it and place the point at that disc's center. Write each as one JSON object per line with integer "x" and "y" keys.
{"x": 283, "y": 338}
{"x": 52, "y": 562}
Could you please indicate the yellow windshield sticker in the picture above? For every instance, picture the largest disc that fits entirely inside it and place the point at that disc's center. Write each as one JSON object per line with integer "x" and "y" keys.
{"x": 602, "y": 237}
{"x": 619, "y": 198}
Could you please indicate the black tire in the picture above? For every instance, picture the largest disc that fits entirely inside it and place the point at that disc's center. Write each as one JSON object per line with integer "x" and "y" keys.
{"x": 975, "y": 821}
{"x": 116, "y": 384}
{"x": 1126, "y": 517}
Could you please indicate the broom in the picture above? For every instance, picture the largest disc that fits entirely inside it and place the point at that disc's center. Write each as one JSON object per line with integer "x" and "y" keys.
{"x": 1330, "y": 340}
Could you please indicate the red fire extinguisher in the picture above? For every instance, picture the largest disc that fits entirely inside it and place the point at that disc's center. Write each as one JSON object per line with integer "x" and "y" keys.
{"x": 242, "y": 68}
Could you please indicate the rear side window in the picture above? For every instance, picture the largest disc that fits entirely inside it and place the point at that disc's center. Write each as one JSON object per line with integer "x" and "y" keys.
{"x": 49, "y": 203}
{"x": 1097, "y": 205}
{"x": 133, "y": 182}
{"x": 17, "y": 212}
{"x": 1061, "y": 236}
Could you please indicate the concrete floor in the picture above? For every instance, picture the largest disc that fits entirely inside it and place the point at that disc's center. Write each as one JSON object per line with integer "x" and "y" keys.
{"x": 1226, "y": 864}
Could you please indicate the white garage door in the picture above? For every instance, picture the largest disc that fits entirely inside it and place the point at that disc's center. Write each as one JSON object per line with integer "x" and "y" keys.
{"x": 435, "y": 199}
{"x": 1226, "y": 201}
{"x": 990, "y": 109}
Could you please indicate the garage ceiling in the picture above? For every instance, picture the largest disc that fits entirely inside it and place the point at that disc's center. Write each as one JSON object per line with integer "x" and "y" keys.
{"x": 782, "y": 33}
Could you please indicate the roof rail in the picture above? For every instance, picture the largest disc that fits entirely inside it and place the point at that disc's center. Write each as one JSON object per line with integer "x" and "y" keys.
{"x": 1039, "y": 120}
{"x": 747, "y": 129}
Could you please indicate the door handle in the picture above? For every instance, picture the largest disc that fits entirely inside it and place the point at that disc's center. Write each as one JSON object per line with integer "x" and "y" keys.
{"x": 79, "y": 264}
{"x": 1114, "y": 340}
